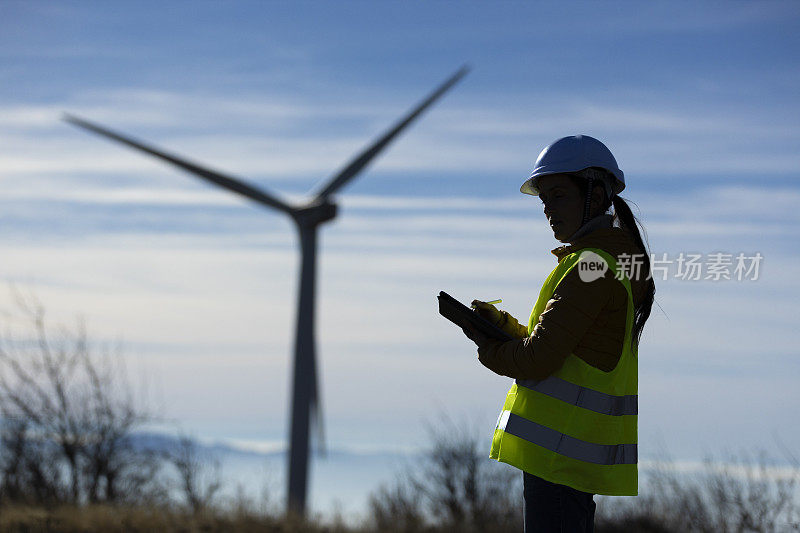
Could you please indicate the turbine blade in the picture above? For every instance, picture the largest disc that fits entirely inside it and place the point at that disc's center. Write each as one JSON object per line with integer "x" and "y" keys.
{"x": 361, "y": 161}
{"x": 216, "y": 178}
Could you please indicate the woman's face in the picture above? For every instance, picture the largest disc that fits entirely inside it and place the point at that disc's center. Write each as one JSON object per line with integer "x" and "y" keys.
{"x": 562, "y": 203}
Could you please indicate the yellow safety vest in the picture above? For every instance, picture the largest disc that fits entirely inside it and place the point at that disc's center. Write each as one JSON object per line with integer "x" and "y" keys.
{"x": 576, "y": 427}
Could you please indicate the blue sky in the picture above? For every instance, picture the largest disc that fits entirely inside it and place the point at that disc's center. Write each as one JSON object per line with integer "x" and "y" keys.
{"x": 698, "y": 103}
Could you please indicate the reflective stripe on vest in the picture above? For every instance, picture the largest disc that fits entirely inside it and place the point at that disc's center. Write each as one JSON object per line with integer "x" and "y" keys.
{"x": 600, "y": 454}
{"x": 599, "y": 402}
{"x": 577, "y": 427}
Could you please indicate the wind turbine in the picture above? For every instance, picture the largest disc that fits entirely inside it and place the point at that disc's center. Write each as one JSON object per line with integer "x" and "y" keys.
{"x": 307, "y": 218}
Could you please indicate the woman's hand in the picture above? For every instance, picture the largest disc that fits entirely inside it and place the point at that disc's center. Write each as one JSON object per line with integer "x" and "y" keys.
{"x": 488, "y": 311}
{"x": 474, "y": 335}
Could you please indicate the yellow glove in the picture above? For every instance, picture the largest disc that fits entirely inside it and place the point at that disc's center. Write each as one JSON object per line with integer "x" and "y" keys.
{"x": 489, "y": 312}
{"x": 501, "y": 319}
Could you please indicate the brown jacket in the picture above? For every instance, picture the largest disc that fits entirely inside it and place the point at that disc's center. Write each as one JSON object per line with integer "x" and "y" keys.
{"x": 584, "y": 319}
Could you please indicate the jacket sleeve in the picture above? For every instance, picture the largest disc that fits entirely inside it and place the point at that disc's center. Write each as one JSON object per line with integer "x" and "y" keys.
{"x": 566, "y": 318}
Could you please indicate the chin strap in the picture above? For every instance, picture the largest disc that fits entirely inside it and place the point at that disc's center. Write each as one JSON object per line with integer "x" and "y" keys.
{"x": 587, "y": 204}
{"x": 593, "y": 175}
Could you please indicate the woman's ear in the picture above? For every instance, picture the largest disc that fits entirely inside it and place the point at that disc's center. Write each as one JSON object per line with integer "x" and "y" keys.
{"x": 598, "y": 197}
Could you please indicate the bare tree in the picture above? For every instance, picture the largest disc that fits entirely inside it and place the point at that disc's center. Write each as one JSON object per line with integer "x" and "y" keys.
{"x": 198, "y": 475}
{"x": 27, "y": 475}
{"x": 68, "y": 415}
{"x": 397, "y": 508}
{"x": 744, "y": 493}
{"x": 453, "y": 487}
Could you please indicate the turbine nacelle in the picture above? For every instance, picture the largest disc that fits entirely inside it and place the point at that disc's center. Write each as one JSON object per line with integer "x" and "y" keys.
{"x": 314, "y": 213}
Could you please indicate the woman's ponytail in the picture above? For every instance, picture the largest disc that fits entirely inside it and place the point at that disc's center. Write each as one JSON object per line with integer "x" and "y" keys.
{"x": 629, "y": 223}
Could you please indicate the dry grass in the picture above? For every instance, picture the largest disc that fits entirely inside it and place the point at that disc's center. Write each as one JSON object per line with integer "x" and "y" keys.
{"x": 742, "y": 495}
{"x": 115, "y": 519}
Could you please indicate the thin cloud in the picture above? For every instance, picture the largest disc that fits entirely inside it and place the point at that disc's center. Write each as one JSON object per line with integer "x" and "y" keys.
{"x": 269, "y": 135}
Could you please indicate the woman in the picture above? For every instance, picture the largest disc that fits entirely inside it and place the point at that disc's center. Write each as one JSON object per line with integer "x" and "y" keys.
{"x": 569, "y": 420}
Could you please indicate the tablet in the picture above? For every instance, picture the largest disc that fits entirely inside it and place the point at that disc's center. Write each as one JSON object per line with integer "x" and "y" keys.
{"x": 458, "y": 314}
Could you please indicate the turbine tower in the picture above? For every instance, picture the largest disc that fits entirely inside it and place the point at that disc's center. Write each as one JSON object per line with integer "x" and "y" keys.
{"x": 307, "y": 218}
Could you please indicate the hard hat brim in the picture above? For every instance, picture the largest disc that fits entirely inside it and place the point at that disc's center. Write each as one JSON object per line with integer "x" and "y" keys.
{"x": 529, "y": 186}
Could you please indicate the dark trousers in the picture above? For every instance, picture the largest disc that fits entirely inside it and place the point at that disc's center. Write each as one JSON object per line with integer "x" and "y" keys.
{"x": 552, "y": 508}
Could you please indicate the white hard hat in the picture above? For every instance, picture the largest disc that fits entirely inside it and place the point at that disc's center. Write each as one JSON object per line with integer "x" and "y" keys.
{"x": 570, "y": 155}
